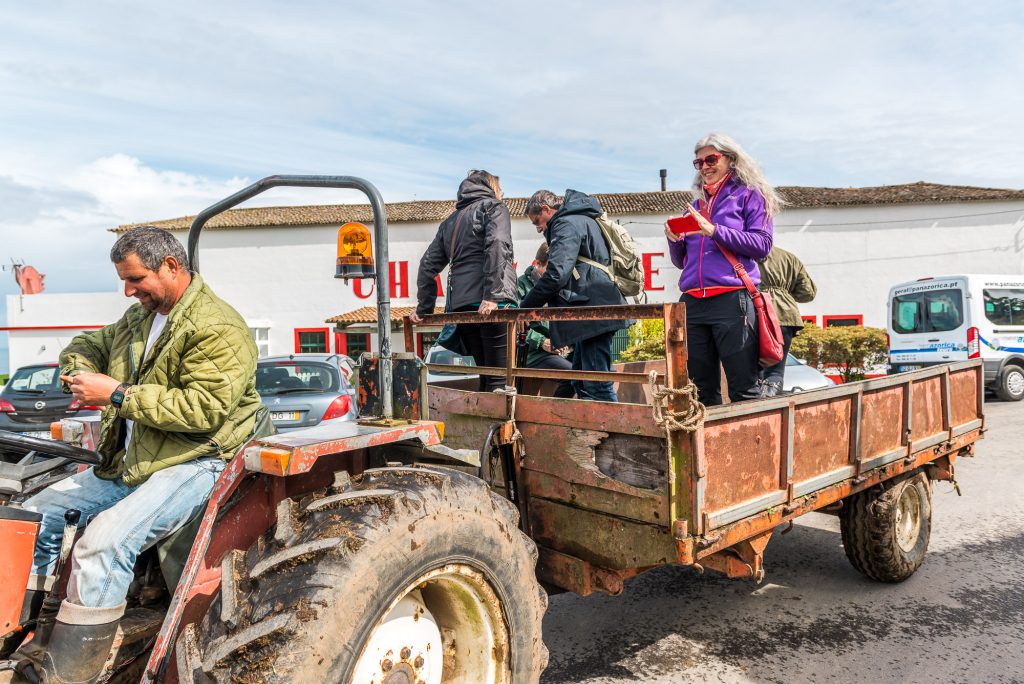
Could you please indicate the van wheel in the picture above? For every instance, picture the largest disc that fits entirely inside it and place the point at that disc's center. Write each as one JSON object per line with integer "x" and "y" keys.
{"x": 1011, "y": 383}
{"x": 886, "y": 529}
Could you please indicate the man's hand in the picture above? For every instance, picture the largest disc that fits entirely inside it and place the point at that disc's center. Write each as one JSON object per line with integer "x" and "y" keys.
{"x": 414, "y": 318}
{"x": 487, "y": 307}
{"x": 93, "y": 389}
{"x": 546, "y": 346}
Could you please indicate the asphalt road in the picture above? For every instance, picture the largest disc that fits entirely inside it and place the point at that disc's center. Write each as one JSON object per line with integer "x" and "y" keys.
{"x": 815, "y": 619}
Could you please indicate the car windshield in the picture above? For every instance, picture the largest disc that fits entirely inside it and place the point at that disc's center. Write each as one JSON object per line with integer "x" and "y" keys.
{"x": 447, "y": 357}
{"x": 1004, "y": 306}
{"x": 288, "y": 377}
{"x": 923, "y": 312}
{"x": 35, "y": 380}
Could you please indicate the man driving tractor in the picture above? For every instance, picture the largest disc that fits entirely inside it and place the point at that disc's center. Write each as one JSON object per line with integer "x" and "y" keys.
{"x": 176, "y": 375}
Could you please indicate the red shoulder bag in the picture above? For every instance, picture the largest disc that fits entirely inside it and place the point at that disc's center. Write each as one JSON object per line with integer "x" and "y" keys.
{"x": 769, "y": 333}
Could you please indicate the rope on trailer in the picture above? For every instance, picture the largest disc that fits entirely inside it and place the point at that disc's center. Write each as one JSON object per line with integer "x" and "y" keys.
{"x": 509, "y": 391}
{"x": 688, "y": 420}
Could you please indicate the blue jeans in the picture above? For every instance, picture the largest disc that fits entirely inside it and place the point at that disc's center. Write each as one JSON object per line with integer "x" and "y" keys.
{"x": 594, "y": 354}
{"x": 122, "y": 521}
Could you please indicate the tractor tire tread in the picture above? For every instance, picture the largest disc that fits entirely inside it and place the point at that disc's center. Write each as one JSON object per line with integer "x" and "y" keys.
{"x": 287, "y": 586}
{"x": 868, "y": 529}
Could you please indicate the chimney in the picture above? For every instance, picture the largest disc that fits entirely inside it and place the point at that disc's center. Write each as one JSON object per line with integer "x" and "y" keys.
{"x": 664, "y": 174}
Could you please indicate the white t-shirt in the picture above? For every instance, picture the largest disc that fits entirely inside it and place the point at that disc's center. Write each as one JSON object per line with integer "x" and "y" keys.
{"x": 159, "y": 321}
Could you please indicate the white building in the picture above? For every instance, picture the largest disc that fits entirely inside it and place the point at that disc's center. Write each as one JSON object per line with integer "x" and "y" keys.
{"x": 276, "y": 265}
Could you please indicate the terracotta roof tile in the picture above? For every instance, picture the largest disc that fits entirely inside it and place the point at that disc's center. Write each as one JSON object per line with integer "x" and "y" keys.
{"x": 368, "y": 314}
{"x": 617, "y": 204}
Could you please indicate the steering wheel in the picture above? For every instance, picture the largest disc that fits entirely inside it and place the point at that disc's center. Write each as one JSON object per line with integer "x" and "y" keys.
{"x": 25, "y": 443}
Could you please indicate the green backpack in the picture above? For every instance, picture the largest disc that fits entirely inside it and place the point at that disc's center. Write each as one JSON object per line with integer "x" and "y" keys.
{"x": 626, "y": 270}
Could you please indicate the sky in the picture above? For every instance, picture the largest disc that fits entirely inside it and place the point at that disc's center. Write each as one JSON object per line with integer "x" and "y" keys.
{"x": 117, "y": 112}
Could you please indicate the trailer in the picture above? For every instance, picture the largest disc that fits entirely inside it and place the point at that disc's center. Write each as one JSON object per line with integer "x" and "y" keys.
{"x": 610, "y": 490}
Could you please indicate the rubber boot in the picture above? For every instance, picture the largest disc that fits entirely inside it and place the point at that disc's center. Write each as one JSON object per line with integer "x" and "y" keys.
{"x": 38, "y": 587}
{"x": 78, "y": 646}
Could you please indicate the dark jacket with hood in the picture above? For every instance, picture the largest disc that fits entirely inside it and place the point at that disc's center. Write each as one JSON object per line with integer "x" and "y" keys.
{"x": 481, "y": 261}
{"x": 572, "y": 233}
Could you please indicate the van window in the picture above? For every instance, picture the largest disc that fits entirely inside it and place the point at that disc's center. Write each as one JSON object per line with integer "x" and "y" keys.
{"x": 1004, "y": 306}
{"x": 920, "y": 312}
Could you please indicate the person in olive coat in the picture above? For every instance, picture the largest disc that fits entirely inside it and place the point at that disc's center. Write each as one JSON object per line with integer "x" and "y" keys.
{"x": 476, "y": 239}
{"x": 539, "y": 352}
{"x": 785, "y": 278}
{"x": 571, "y": 230}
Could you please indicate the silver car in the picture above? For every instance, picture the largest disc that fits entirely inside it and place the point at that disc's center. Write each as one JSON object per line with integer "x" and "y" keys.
{"x": 440, "y": 355}
{"x": 301, "y": 390}
{"x": 800, "y": 377}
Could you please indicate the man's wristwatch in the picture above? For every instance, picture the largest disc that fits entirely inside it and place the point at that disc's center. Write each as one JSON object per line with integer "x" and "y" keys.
{"x": 117, "y": 398}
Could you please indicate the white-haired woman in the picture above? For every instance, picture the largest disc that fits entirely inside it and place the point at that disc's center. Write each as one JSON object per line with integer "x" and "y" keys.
{"x": 734, "y": 210}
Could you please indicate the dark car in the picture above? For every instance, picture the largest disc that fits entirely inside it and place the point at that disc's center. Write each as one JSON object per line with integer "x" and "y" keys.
{"x": 300, "y": 390}
{"x": 32, "y": 399}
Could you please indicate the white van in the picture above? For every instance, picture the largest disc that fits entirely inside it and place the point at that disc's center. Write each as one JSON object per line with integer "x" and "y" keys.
{"x": 958, "y": 317}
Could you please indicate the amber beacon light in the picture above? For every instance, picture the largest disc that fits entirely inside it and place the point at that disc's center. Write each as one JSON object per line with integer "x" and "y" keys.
{"x": 355, "y": 252}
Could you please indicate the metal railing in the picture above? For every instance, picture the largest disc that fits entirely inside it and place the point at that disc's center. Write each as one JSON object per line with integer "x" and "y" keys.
{"x": 516, "y": 321}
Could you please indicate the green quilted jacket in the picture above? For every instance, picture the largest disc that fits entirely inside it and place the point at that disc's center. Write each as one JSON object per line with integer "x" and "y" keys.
{"x": 194, "y": 394}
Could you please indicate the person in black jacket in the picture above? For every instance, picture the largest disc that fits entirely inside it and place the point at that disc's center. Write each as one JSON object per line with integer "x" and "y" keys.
{"x": 571, "y": 229}
{"x": 477, "y": 241}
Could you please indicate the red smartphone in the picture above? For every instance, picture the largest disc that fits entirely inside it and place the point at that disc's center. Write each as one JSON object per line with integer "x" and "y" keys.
{"x": 683, "y": 224}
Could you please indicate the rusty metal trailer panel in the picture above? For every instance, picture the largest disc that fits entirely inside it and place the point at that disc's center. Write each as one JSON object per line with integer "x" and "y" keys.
{"x": 608, "y": 491}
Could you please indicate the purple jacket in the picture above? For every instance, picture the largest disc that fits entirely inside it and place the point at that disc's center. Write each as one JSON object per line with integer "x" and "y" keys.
{"x": 741, "y": 224}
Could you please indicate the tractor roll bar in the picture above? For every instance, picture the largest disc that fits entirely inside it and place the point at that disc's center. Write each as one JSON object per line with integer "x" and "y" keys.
{"x": 380, "y": 236}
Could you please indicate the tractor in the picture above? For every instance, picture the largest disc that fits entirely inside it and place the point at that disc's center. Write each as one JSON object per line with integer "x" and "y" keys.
{"x": 419, "y": 544}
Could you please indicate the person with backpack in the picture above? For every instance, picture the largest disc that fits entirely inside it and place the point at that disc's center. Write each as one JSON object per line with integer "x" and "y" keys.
{"x": 476, "y": 240}
{"x": 735, "y": 206}
{"x": 579, "y": 273}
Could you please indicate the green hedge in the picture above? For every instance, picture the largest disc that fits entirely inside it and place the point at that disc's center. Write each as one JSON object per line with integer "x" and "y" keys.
{"x": 850, "y": 349}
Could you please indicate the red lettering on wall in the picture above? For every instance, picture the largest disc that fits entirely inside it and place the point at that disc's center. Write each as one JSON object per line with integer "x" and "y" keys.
{"x": 649, "y": 271}
{"x": 399, "y": 279}
{"x": 358, "y": 285}
{"x": 440, "y": 288}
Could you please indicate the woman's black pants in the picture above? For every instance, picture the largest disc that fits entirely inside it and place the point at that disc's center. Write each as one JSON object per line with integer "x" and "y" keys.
{"x": 721, "y": 332}
{"x": 487, "y": 344}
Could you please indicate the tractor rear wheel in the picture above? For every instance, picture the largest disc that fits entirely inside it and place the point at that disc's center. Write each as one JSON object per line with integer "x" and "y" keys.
{"x": 408, "y": 574}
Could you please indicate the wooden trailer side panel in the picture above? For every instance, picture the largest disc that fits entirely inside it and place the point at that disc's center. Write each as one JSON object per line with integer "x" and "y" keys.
{"x": 596, "y": 474}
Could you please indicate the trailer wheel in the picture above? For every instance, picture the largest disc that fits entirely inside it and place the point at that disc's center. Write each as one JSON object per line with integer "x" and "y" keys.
{"x": 404, "y": 575}
{"x": 886, "y": 530}
{"x": 1011, "y": 383}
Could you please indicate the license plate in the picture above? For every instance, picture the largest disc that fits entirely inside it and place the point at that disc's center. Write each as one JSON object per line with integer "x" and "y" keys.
{"x": 38, "y": 435}
{"x": 284, "y": 415}
{"x": 904, "y": 367}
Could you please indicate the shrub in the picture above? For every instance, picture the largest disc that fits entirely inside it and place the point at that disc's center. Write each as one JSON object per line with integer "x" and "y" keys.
{"x": 646, "y": 341}
{"x": 851, "y": 349}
